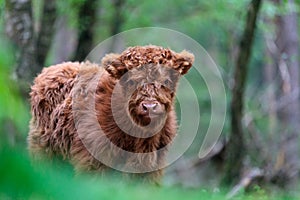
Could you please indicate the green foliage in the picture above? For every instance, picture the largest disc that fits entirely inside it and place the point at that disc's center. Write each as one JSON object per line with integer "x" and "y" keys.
{"x": 13, "y": 109}
{"x": 70, "y": 8}
{"x": 21, "y": 179}
{"x": 2, "y": 5}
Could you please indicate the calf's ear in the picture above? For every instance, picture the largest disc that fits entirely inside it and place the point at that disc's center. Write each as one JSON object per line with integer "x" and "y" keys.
{"x": 183, "y": 62}
{"x": 113, "y": 65}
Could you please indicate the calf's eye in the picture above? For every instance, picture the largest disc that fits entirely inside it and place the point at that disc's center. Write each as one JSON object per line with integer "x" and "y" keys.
{"x": 167, "y": 82}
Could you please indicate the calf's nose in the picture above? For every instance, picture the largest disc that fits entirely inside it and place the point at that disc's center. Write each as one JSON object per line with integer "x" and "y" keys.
{"x": 149, "y": 106}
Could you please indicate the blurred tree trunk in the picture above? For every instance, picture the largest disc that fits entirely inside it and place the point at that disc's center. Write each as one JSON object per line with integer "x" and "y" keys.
{"x": 86, "y": 22}
{"x": 47, "y": 30}
{"x": 65, "y": 40}
{"x": 236, "y": 146}
{"x": 118, "y": 17}
{"x": 116, "y": 21}
{"x": 270, "y": 72}
{"x": 33, "y": 44}
{"x": 287, "y": 164}
{"x": 271, "y": 81}
{"x": 19, "y": 27}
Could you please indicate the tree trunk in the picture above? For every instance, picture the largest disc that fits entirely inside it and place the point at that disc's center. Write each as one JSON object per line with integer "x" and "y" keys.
{"x": 287, "y": 165}
{"x": 271, "y": 85}
{"x": 236, "y": 145}
{"x": 65, "y": 40}
{"x": 118, "y": 17}
{"x": 33, "y": 46}
{"x": 270, "y": 72}
{"x": 19, "y": 27}
{"x": 86, "y": 22}
{"x": 46, "y": 32}
{"x": 116, "y": 21}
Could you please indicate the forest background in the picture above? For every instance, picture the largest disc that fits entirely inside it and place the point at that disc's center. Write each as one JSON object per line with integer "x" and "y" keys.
{"x": 255, "y": 45}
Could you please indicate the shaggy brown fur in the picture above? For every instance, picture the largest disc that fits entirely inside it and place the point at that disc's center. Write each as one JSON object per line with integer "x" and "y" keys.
{"x": 130, "y": 97}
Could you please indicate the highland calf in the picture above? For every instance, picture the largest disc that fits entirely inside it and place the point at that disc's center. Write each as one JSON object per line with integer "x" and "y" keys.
{"x": 117, "y": 115}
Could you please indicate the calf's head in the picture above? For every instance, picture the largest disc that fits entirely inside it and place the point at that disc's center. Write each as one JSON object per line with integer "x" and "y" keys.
{"x": 147, "y": 78}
